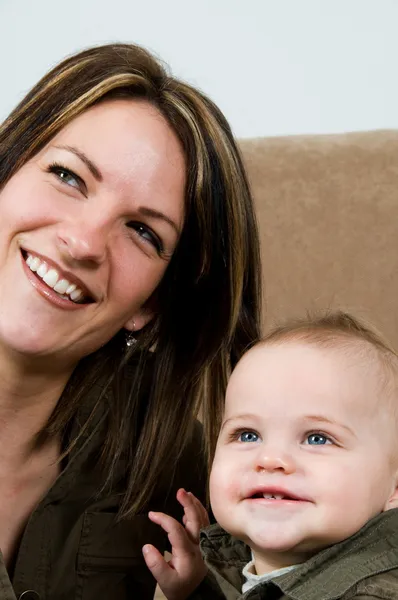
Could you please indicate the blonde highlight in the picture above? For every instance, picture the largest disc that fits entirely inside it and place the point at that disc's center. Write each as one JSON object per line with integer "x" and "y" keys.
{"x": 209, "y": 300}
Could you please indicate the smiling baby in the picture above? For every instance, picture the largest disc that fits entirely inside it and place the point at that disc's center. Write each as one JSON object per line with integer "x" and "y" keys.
{"x": 305, "y": 472}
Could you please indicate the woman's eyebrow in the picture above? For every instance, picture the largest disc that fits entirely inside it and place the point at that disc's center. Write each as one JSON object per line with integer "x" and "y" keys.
{"x": 89, "y": 163}
{"x": 156, "y": 214}
{"x": 146, "y": 211}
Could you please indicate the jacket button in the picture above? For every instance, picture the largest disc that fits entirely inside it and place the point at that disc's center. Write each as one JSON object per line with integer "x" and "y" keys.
{"x": 29, "y": 595}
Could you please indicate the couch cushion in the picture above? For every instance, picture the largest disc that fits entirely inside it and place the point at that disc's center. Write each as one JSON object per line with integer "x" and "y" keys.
{"x": 327, "y": 207}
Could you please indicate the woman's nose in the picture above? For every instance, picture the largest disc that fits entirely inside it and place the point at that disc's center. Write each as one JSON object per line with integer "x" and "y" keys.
{"x": 83, "y": 242}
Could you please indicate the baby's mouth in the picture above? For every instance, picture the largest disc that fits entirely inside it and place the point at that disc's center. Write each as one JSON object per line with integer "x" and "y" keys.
{"x": 67, "y": 290}
{"x": 276, "y": 495}
{"x": 273, "y": 496}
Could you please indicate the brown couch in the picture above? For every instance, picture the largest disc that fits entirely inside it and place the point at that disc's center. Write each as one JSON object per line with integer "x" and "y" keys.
{"x": 327, "y": 207}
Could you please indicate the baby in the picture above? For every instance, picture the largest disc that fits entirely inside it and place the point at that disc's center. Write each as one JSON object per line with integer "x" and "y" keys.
{"x": 304, "y": 477}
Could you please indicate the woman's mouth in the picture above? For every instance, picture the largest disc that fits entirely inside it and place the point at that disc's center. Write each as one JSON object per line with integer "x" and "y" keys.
{"x": 56, "y": 281}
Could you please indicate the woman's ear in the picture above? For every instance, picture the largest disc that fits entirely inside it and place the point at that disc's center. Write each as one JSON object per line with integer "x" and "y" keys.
{"x": 141, "y": 318}
{"x": 143, "y": 315}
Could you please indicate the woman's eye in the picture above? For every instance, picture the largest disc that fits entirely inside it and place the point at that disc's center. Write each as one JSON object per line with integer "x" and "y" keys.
{"x": 317, "y": 439}
{"x": 248, "y": 436}
{"x": 67, "y": 176}
{"x": 148, "y": 235}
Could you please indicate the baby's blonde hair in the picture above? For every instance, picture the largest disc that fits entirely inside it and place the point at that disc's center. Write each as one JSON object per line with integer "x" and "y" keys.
{"x": 344, "y": 332}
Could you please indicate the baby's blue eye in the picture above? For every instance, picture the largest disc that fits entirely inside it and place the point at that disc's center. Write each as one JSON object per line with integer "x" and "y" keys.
{"x": 248, "y": 436}
{"x": 317, "y": 439}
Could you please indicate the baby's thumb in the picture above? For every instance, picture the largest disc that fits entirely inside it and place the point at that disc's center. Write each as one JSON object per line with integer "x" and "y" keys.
{"x": 155, "y": 562}
{"x": 159, "y": 568}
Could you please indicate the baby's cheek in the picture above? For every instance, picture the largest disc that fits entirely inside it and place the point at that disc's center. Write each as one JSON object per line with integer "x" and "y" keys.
{"x": 224, "y": 492}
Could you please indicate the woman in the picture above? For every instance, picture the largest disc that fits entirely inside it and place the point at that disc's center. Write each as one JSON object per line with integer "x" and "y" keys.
{"x": 129, "y": 270}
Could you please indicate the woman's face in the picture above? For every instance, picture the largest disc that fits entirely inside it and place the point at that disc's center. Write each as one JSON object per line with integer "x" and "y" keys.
{"x": 87, "y": 229}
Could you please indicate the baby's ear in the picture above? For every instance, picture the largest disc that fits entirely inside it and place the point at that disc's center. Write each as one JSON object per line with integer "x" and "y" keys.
{"x": 392, "y": 501}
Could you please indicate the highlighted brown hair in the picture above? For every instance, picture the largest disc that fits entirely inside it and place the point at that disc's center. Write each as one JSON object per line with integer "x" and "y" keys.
{"x": 209, "y": 299}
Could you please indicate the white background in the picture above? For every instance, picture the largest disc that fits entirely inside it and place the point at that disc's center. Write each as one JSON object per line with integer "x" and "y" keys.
{"x": 275, "y": 67}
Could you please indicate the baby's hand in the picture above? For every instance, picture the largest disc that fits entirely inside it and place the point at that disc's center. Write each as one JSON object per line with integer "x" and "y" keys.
{"x": 183, "y": 573}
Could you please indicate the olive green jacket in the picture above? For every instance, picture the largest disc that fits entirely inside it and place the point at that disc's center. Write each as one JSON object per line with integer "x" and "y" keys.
{"x": 363, "y": 567}
{"x": 73, "y": 548}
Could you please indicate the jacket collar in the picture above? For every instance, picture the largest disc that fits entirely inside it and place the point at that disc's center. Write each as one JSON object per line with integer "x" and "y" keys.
{"x": 373, "y": 550}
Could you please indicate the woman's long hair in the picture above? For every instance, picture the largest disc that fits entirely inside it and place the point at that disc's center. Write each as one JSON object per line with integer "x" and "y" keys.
{"x": 208, "y": 303}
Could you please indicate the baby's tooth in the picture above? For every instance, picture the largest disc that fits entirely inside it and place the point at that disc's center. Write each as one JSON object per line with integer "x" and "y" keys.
{"x": 76, "y": 295}
{"x": 51, "y": 278}
{"x": 70, "y": 289}
{"x": 34, "y": 264}
{"x": 61, "y": 286}
{"x": 42, "y": 270}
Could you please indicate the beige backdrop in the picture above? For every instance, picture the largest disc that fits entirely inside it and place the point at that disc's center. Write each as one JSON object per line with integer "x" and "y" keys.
{"x": 328, "y": 215}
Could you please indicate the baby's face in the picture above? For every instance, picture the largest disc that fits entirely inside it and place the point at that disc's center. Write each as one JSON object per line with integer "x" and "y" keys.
{"x": 304, "y": 456}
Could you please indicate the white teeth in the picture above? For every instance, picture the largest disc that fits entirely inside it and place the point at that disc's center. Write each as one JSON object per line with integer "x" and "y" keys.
{"x": 51, "y": 278}
{"x": 76, "y": 295}
{"x": 34, "y": 263}
{"x": 273, "y": 496}
{"x": 61, "y": 286}
{"x": 71, "y": 288}
{"x": 42, "y": 270}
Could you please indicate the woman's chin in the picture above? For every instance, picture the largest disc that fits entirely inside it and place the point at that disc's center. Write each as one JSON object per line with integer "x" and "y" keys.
{"x": 29, "y": 343}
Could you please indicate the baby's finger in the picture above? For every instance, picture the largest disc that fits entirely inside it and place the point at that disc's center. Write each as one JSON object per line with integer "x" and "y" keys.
{"x": 156, "y": 564}
{"x": 205, "y": 521}
{"x": 187, "y": 500}
{"x": 195, "y": 517}
{"x": 178, "y": 537}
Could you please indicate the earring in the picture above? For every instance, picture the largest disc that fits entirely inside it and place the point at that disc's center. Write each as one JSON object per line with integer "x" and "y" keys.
{"x": 131, "y": 340}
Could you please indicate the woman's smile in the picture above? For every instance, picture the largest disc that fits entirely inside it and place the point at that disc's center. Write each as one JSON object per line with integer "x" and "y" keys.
{"x": 52, "y": 285}
{"x": 93, "y": 229}
{"x": 66, "y": 285}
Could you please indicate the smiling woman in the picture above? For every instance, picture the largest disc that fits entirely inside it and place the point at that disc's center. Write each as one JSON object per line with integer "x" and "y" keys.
{"x": 129, "y": 287}
{"x": 100, "y": 211}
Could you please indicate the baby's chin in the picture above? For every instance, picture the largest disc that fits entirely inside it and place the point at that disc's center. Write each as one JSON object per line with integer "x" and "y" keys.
{"x": 281, "y": 549}
{"x": 272, "y": 556}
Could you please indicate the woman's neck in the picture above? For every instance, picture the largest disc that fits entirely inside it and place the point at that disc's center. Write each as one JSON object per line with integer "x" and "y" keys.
{"x": 29, "y": 393}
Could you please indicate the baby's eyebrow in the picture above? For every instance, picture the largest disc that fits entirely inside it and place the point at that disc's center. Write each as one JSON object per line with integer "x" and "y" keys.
{"x": 240, "y": 417}
{"x": 324, "y": 419}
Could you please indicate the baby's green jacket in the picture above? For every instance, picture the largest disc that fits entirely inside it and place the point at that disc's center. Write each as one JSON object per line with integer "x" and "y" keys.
{"x": 362, "y": 567}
